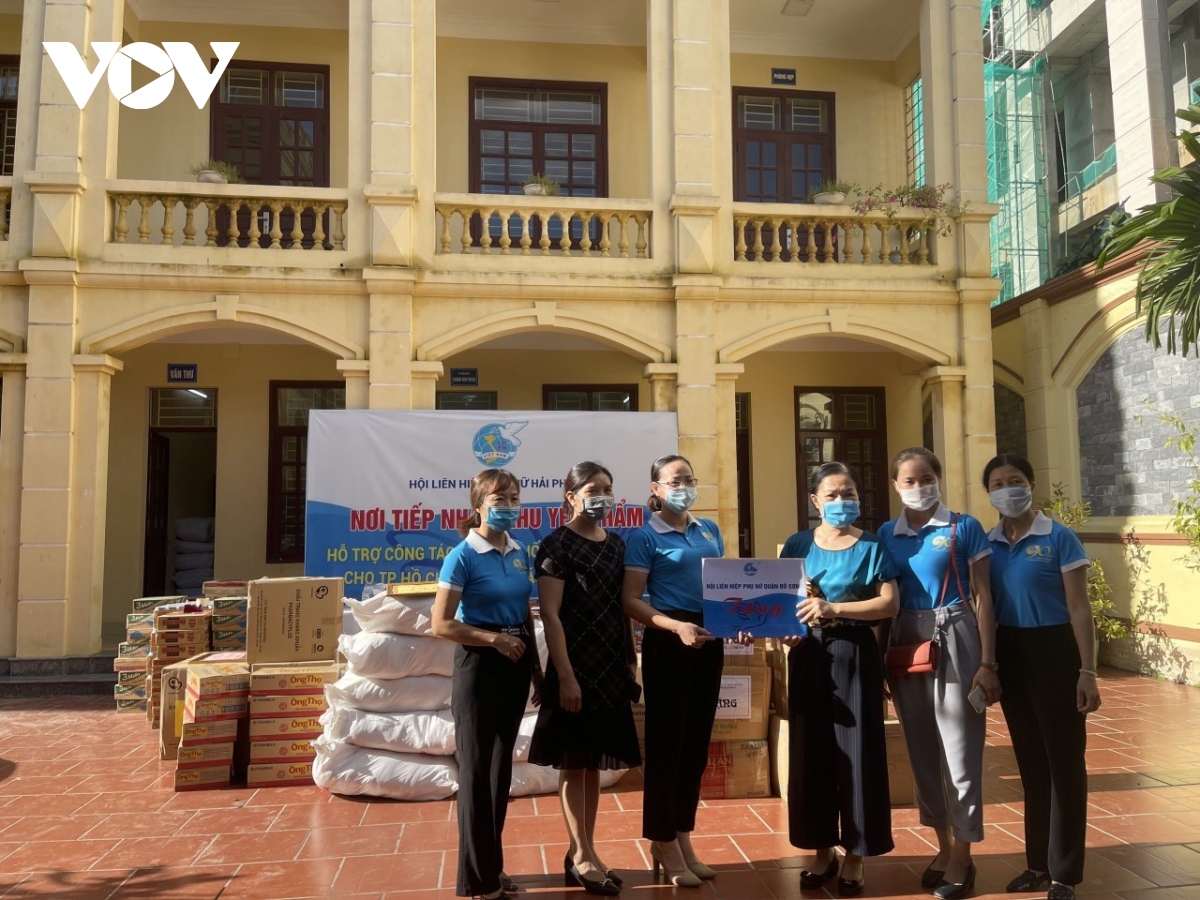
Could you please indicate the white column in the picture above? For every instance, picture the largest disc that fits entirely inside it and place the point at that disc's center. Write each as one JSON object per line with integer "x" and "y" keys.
{"x": 12, "y": 426}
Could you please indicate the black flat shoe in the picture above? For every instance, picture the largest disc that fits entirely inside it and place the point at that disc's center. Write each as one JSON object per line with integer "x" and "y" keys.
{"x": 614, "y": 877}
{"x": 569, "y": 878}
{"x": 810, "y": 881}
{"x": 848, "y": 888}
{"x": 948, "y": 891}
{"x": 1061, "y": 892}
{"x": 604, "y": 887}
{"x": 507, "y": 885}
{"x": 932, "y": 877}
{"x": 1028, "y": 881}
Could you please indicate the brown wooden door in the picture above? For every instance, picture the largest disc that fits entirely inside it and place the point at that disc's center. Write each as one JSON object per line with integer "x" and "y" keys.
{"x": 842, "y": 425}
{"x": 158, "y": 482}
{"x": 745, "y": 484}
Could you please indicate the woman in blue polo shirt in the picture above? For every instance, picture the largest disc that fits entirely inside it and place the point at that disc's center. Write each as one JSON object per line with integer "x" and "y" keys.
{"x": 944, "y": 732}
{"x": 838, "y": 781}
{"x": 482, "y": 604}
{"x": 1046, "y": 650}
{"x": 681, "y": 663}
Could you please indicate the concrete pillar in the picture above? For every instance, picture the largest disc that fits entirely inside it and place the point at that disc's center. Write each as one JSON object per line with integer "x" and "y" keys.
{"x": 946, "y": 392}
{"x": 425, "y": 375}
{"x": 391, "y": 346}
{"x": 727, "y": 474}
{"x": 1140, "y": 55}
{"x": 1042, "y": 419}
{"x": 357, "y": 373}
{"x": 955, "y": 123}
{"x": 660, "y": 128}
{"x": 979, "y": 399}
{"x": 696, "y": 392}
{"x": 663, "y": 378}
{"x": 399, "y": 117}
{"x": 12, "y": 425}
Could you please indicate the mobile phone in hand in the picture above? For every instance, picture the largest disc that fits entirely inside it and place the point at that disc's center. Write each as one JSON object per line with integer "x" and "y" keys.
{"x": 978, "y": 698}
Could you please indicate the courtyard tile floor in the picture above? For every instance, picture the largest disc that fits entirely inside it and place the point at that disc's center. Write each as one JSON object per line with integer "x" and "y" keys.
{"x": 87, "y": 813}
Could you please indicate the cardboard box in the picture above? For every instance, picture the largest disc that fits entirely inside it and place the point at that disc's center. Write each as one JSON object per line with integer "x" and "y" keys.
{"x": 149, "y": 604}
{"x": 282, "y": 679}
{"x": 297, "y": 750}
{"x": 221, "y": 589}
{"x": 737, "y": 769}
{"x": 169, "y": 697}
{"x": 203, "y": 778}
{"x": 181, "y": 621}
{"x": 288, "y": 705}
{"x": 195, "y": 641}
{"x": 135, "y": 639}
{"x": 746, "y": 655}
{"x": 777, "y": 661}
{"x": 132, "y": 677}
{"x": 175, "y": 652}
{"x": 207, "y": 709}
{"x": 131, "y": 706}
{"x": 780, "y": 761}
{"x": 231, "y": 604}
{"x": 293, "y": 619}
{"x": 209, "y": 679}
{"x": 291, "y": 727}
{"x": 412, "y": 589}
{"x": 137, "y": 620}
{"x": 197, "y": 734}
{"x": 268, "y": 774}
{"x": 230, "y": 636}
{"x": 744, "y": 706}
{"x": 229, "y": 621}
{"x": 197, "y": 755}
{"x": 138, "y": 663}
{"x": 129, "y": 691}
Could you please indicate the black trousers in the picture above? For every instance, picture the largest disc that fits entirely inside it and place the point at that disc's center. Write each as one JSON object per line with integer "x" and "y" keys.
{"x": 681, "y": 686}
{"x": 1039, "y": 670}
{"x": 837, "y": 772}
{"x": 488, "y": 700}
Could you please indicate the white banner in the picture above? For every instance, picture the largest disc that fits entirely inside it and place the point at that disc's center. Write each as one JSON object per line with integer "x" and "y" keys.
{"x": 386, "y": 489}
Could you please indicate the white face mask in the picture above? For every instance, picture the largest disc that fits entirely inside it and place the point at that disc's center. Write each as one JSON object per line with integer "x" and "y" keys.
{"x": 1011, "y": 502}
{"x": 920, "y": 498}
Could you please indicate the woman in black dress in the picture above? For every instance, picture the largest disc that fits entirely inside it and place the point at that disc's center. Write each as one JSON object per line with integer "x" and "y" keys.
{"x": 586, "y": 721}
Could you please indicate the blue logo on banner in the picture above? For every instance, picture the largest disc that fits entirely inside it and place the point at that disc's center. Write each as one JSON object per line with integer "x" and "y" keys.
{"x": 496, "y": 445}
{"x": 750, "y": 569}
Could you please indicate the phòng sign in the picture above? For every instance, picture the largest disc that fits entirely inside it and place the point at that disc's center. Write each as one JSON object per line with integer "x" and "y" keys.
{"x": 756, "y": 596}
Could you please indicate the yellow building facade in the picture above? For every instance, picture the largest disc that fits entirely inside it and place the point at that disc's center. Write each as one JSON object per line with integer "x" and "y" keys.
{"x": 161, "y": 339}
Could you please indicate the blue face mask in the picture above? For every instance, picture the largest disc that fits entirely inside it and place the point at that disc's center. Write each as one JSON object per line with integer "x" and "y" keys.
{"x": 502, "y": 518}
{"x": 840, "y": 513}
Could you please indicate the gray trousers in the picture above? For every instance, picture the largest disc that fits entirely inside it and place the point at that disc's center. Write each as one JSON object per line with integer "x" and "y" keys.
{"x": 943, "y": 732}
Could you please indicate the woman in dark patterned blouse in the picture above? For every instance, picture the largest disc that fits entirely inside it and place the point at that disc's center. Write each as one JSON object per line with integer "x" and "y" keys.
{"x": 586, "y": 721}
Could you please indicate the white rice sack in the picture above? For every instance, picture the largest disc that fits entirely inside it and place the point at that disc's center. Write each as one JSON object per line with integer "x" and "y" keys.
{"x": 349, "y": 623}
{"x": 379, "y": 654}
{"x": 431, "y": 733}
{"x": 193, "y": 560}
{"x": 195, "y": 546}
{"x": 194, "y": 529}
{"x": 397, "y": 615}
{"x": 343, "y": 768}
{"x": 414, "y": 694}
{"x": 524, "y": 735}
{"x": 528, "y": 779}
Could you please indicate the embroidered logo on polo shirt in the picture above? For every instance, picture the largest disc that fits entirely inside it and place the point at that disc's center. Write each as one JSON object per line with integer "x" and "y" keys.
{"x": 1039, "y": 551}
{"x": 520, "y": 565}
{"x": 706, "y": 535}
{"x": 941, "y": 542}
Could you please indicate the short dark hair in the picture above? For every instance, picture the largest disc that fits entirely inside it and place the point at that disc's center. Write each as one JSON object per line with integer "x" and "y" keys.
{"x": 916, "y": 453}
{"x": 656, "y": 468}
{"x": 832, "y": 468}
{"x": 486, "y": 482}
{"x": 1019, "y": 463}
{"x": 580, "y": 474}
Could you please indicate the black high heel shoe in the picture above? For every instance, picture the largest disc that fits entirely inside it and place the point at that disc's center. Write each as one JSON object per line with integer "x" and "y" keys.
{"x": 605, "y": 887}
{"x": 932, "y": 877}
{"x": 810, "y": 881}
{"x": 948, "y": 891}
{"x": 568, "y": 877}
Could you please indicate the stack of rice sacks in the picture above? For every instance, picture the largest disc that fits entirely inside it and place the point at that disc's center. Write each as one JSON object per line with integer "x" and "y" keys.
{"x": 388, "y": 730}
{"x": 193, "y": 554}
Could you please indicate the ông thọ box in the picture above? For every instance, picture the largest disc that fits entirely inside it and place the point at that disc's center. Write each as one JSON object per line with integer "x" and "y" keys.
{"x": 287, "y": 705}
{"x": 281, "y": 727}
{"x": 197, "y": 755}
{"x": 282, "y": 679}
{"x": 205, "y": 709}
{"x": 216, "y": 679}
{"x": 294, "y": 750}
{"x": 220, "y": 731}
{"x": 202, "y": 778}
{"x": 268, "y": 774}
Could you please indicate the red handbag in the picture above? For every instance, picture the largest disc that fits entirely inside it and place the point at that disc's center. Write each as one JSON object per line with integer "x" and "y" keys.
{"x": 917, "y": 659}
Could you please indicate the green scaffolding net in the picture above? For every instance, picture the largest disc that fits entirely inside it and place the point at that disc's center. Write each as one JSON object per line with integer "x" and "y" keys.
{"x": 1014, "y": 99}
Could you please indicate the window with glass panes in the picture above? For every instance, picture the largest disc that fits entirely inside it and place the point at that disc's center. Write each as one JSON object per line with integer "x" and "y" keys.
{"x": 590, "y": 397}
{"x": 484, "y": 400}
{"x": 291, "y": 402}
{"x": 519, "y": 128}
{"x": 783, "y": 144}
{"x": 847, "y": 426}
{"x": 914, "y": 131}
{"x": 10, "y": 71}
{"x": 271, "y": 120}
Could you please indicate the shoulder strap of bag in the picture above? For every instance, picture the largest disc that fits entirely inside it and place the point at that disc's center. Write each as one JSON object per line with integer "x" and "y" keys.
{"x": 953, "y": 566}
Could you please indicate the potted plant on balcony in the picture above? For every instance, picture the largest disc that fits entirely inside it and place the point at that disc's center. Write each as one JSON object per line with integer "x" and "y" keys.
{"x": 940, "y": 213}
{"x": 832, "y": 193}
{"x": 539, "y": 185}
{"x": 214, "y": 171}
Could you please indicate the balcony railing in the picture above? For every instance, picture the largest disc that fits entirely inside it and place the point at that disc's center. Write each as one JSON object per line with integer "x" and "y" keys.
{"x": 231, "y": 216}
{"x": 580, "y": 227}
{"x": 813, "y": 235}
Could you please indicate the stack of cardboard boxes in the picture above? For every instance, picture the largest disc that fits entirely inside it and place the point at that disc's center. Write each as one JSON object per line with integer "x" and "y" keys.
{"x": 214, "y": 740}
{"x": 286, "y": 703}
{"x": 900, "y": 779}
{"x": 132, "y": 664}
{"x": 180, "y": 631}
{"x": 228, "y": 600}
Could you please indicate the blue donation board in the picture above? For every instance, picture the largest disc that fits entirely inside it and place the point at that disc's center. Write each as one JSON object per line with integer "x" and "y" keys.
{"x": 758, "y": 596}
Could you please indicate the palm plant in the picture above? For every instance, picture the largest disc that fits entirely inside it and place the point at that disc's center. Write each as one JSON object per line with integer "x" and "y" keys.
{"x": 1168, "y": 285}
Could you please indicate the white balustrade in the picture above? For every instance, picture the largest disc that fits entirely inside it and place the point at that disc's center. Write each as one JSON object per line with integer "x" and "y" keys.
{"x": 811, "y": 235}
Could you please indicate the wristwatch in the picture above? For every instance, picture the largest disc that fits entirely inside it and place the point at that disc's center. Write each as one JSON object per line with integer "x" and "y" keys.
{"x": 995, "y": 667}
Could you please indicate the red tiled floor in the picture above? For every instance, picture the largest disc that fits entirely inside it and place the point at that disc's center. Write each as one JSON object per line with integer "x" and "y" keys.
{"x": 86, "y": 813}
